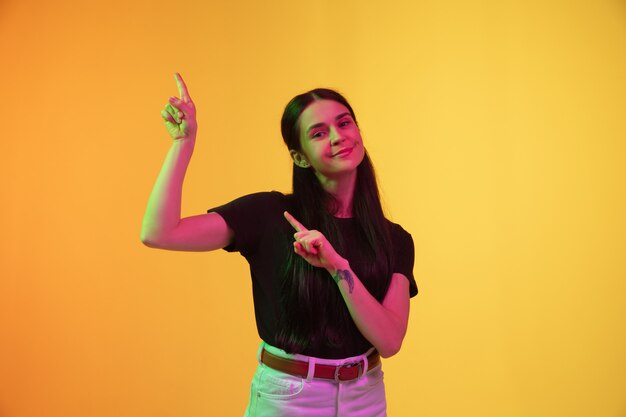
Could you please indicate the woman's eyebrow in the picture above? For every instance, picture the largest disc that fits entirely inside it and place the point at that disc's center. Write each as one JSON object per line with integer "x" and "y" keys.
{"x": 314, "y": 126}
{"x": 322, "y": 124}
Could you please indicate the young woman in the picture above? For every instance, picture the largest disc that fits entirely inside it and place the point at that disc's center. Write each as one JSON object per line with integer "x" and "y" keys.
{"x": 331, "y": 276}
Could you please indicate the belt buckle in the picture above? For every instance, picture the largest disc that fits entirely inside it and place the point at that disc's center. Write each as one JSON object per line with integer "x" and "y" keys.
{"x": 348, "y": 365}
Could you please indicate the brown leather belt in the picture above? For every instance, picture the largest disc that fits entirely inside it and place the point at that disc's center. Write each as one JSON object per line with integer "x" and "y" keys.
{"x": 345, "y": 372}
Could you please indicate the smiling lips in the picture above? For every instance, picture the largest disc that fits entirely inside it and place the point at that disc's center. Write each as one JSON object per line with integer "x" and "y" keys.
{"x": 343, "y": 152}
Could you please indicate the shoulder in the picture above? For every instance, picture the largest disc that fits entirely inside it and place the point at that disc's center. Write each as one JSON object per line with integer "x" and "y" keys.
{"x": 403, "y": 245}
{"x": 404, "y": 254}
{"x": 265, "y": 196}
{"x": 263, "y": 200}
{"x": 253, "y": 210}
{"x": 251, "y": 216}
{"x": 398, "y": 234}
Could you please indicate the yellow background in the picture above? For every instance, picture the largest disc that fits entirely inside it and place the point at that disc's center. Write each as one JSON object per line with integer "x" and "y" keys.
{"x": 497, "y": 129}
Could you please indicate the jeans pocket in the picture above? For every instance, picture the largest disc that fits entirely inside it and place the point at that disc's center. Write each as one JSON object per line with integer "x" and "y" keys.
{"x": 279, "y": 385}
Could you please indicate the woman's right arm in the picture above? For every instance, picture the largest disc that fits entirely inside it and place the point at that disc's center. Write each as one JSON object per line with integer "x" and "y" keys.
{"x": 162, "y": 226}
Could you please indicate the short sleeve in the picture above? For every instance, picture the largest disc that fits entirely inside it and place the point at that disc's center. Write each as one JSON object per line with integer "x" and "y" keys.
{"x": 404, "y": 254}
{"x": 246, "y": 216}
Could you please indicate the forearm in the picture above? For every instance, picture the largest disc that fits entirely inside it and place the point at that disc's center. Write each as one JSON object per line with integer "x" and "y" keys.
{"x": 377, "y": 324}
{"x": 383, "y": 325}
{"x": 164, "y": 205}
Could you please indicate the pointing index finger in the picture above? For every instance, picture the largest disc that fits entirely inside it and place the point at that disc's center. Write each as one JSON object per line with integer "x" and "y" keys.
{"x": 296, "y": 224}
{"x": 182, "y": 87}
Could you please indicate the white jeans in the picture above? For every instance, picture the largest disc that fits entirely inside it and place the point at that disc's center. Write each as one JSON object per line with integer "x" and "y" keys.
{"x": 275, "y": 394}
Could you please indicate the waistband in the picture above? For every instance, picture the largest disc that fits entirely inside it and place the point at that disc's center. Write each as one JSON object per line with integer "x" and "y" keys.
{"x": 309, "y": 366}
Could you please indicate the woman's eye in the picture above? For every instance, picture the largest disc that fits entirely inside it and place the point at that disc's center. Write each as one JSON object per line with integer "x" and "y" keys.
{"x": 317, "y": 134}
{"x": 344, "y": 123}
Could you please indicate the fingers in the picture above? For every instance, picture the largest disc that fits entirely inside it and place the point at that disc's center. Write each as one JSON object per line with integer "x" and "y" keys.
{"x": 167, "y": 117}
{"x": 182, "y": 88}
{"x": 304, "y": 250}
{"x": 310, "y": 241}
{"x": 297, "y": 247}
{"x": 187, "y": 109}
{"x": 175, "y": 114}
{"x": 293, "y": 222}
{"x": 305, "y": 244}
{"x": 178, "y": 103}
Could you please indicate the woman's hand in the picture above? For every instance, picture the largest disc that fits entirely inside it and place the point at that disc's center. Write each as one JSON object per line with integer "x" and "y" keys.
{"x": 180, "y": 113}
{"x": 313, "y": 246}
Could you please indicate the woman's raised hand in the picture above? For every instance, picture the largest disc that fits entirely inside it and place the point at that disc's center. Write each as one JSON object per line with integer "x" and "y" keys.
{"x": 313, "y": 246}
{"x": 180, "y": 113}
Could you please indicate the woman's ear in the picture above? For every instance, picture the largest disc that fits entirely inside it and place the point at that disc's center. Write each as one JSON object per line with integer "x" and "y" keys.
{"x": 299, "y": 159}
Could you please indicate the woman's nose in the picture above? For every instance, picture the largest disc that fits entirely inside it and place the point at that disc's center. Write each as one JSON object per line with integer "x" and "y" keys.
{"x": 335, "y": 136}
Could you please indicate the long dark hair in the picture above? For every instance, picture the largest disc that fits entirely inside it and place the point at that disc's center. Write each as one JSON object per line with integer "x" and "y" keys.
{"x": 313, "y": 313}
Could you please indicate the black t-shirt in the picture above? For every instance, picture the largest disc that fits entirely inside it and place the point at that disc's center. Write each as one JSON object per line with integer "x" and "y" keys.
{"x": 263, "y": 235}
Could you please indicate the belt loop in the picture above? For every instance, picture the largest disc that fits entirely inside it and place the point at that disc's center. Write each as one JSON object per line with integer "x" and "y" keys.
{"x": 311, "y": 373}
{"x": 260, "y": 352}
{"x": 366, "y": 366}
{"x": 366, "y": 362}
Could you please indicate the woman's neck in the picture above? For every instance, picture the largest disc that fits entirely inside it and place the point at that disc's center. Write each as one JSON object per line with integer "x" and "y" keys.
{"x": 342, "y": 188}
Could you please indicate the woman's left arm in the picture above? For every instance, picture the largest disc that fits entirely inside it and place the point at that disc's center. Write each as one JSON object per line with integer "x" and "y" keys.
{"x": 383, "y": 325}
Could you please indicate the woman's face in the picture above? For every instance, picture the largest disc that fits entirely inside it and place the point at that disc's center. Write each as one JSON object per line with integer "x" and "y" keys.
{"x": 329, "y": 138}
